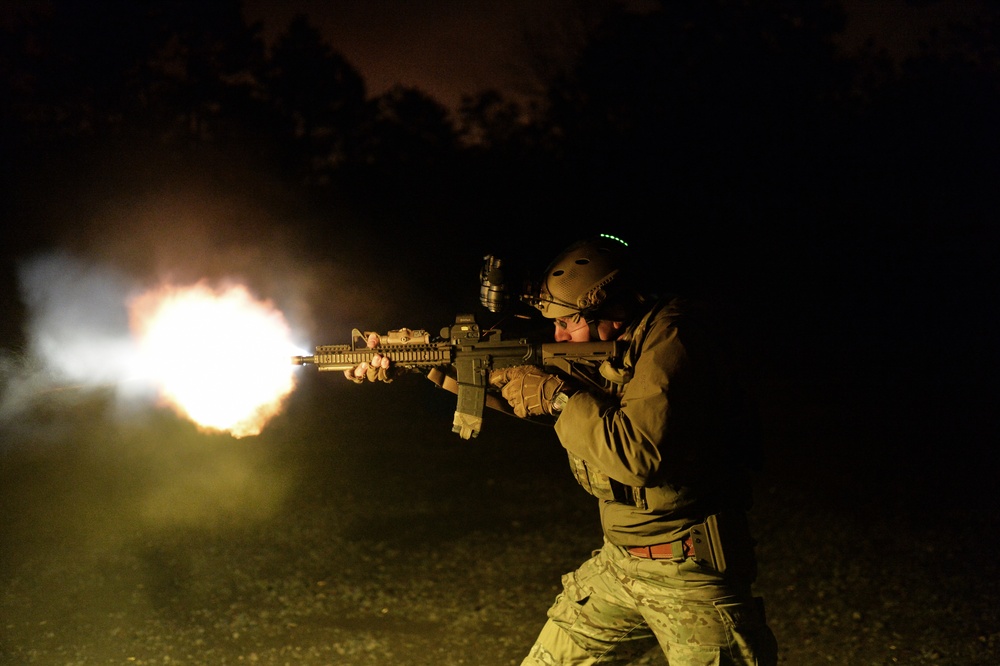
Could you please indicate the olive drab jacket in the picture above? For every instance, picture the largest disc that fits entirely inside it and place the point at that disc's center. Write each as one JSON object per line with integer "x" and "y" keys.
{"x": 672, "y": 440}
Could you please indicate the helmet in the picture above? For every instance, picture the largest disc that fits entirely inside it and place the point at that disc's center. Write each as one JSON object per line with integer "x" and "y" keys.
{"x": 580, "y": 280}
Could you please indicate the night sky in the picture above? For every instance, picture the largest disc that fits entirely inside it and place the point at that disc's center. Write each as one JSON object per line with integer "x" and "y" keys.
{"x": 452, "y": 48}
{"x": 447, "y": 48}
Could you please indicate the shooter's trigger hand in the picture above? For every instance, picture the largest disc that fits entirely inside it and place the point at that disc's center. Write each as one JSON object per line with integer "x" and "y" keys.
{"x": 503, "y": 376}
{"x": 528, "y": 389}
{"x": 376, "y": 370}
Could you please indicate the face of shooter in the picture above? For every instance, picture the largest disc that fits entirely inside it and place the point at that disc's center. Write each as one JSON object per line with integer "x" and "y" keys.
{"x": 576, "y": 329}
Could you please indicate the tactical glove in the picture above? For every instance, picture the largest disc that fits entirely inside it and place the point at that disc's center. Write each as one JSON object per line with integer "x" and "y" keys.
{"x": 500, "y": 378}
{"x": 528, "y": 389}
{"x": 379, "y": 369}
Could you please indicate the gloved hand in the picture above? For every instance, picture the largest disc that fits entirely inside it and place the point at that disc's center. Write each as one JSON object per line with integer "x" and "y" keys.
{"x": 503, "y": 376}
{"x": 528, "y": 389}
{"x": 379, "y": 369}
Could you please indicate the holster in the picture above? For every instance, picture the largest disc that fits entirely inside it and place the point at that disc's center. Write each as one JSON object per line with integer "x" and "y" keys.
{"x": 723, "y": 542}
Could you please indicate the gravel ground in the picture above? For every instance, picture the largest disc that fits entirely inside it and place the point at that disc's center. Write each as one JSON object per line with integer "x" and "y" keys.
{"x": 358, "y": 530}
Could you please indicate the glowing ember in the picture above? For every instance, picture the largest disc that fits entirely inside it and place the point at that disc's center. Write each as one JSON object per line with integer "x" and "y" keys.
{"x": 219, "y": 357}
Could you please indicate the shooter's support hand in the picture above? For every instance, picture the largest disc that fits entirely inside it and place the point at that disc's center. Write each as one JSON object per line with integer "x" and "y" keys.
{"x": 377, "y": 370}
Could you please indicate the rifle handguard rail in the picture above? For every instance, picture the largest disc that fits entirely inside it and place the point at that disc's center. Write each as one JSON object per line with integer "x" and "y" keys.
{"x": 346, "y": 357}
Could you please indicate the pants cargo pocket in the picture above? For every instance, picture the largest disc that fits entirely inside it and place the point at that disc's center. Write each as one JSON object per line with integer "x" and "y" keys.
{"x": 570, "y": 602}
{"x": 598, "y": 615}
{"x": 750, "y": 639}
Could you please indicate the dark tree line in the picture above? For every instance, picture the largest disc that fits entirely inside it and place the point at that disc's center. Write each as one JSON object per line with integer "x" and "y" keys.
{"x": 714, "y": 126}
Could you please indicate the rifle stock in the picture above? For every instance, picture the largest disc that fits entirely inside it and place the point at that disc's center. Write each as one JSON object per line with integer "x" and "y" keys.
{"x": 471, "y": 353}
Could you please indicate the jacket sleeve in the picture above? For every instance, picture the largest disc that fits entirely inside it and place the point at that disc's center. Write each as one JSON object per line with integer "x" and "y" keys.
{"x": 629, "y": 441}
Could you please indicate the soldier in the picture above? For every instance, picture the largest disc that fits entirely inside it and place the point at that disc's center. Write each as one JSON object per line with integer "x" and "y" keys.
{"x": 666, "y": 442}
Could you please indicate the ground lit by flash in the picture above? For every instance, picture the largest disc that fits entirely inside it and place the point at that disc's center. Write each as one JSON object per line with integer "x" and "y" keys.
{"x": 358, "y": 530}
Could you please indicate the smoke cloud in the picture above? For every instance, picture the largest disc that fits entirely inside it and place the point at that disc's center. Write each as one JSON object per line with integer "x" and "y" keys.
{"x": 77, "y": 336}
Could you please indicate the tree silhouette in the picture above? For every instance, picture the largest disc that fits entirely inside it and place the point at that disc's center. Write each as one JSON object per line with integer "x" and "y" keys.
{"x": 737, "y": 117}
{"x": 78, "y": 71}
{"x": 488, "y": 121}
{"x": 408, "y": 133}
{"x": 206, "y": 66}
{"x": 700, "y": 101}
{"x": 319, "y": 98}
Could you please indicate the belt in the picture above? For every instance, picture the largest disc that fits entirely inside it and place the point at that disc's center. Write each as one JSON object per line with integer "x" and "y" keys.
{"x": 665, "y": 551}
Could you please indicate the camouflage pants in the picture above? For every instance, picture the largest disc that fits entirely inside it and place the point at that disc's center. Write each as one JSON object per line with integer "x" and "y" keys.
{"x": 615, "y": 607}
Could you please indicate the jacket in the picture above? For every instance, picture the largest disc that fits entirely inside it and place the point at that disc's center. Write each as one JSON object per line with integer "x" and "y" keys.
{"x": 671, "y": 443}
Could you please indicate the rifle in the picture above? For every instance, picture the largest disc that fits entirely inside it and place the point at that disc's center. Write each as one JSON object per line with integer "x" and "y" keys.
{"x": 470, "y": 354}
